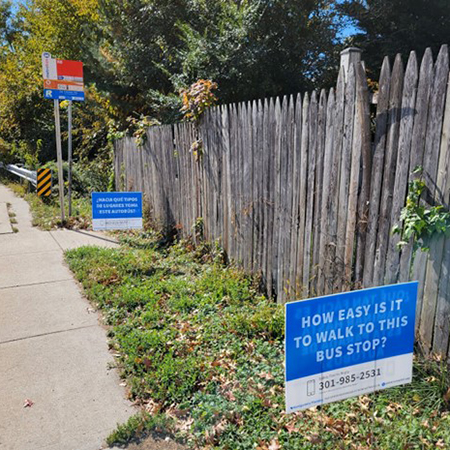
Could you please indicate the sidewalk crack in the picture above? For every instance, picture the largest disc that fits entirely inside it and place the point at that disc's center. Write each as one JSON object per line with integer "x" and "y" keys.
{"x": 46, "y": 334}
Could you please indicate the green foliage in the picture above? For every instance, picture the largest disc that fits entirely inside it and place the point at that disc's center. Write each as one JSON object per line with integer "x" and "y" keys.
{"x": 256, "y": 49}
{"x": 199, "y": 346}
{"x": 46, "y": 213}
{"x": 197, "y": 99}
{"x": 419, "y": 221}
{"x": 388, "y": 27}
{"x": 141, "y": 423}
{"x": 138, "y": 55}
{"x": 26, "y": 119}
{"x": 140, "y": 126}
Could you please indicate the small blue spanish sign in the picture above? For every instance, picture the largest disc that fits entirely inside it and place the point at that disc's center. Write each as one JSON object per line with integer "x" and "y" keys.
{"x": 117, "y": 210}
{"x": 348, "y": 344}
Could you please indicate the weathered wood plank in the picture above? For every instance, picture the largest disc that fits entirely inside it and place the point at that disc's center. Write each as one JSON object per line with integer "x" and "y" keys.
{"x": 349, "y": 121}
{"x": 377, "y": 170}
{"x": 248, "y": 187}
{"x": 278, "y": 159}
{"x": 384, "y": 220}
{"x": 318, "y": 190}
{"x": 359, "y": 141}
{"x": 270, "y": 194}
{"x": 442, "y": 323}
{"x": 260, "y": 179}
{"x": 363, "y": 114}
{"x": 324, "y": 235}
{"x": 217, "y": 205}
{"x": 284, "y": 197}
{"x": 233, "y": 180}
{"x": 307, "y": 258}
{"x": 240, "y": 182}
{"x": 266, "y": 151}
{"x": 403, "y": 158}
{"x": 182, "y": 171}
{"x": 438, "y": 269}
{"x": 417, "y": 152}
{"x": 430, "y": 172}
{"x": 330, "y": 271}
{"x": 256, "y": 170}
{"x": 295, "y": 222}
{"x": 303, "y": 191}
{"x": 290, "y": 188}
{"x": 225, "y": 140}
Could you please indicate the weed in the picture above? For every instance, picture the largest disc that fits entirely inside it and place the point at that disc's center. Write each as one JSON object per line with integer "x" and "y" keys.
{"x": 46, "y": 213}
{"x": 199, "y": 344}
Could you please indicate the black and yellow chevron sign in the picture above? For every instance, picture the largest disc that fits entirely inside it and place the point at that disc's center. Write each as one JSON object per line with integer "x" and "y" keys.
{"x": 44, "y": 182}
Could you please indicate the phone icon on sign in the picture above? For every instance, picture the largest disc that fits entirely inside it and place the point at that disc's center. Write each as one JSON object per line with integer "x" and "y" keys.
{"x": 311, "y": 388}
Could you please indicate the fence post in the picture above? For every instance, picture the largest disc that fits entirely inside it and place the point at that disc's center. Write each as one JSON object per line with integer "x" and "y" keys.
{"x": 350, "y": 56}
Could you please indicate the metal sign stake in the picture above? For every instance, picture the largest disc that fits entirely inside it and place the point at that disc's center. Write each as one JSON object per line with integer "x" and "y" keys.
{"x": 69, "y": 143}
{"x": 59, "y": 157}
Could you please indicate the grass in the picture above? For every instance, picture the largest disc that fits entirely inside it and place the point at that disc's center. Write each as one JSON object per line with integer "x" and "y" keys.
{"x": 46, "y": 212}
{"x": 202, "y": 352}
{"x": 12, "y": 217}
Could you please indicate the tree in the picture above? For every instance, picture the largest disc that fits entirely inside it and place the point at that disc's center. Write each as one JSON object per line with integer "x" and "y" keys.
{"x": 251, "y": 48}
{"x": 26, "y": 119}
{"x": 388, "y": 27}
{"x": 256, "y": 49}
{"x": 139, "y": 54}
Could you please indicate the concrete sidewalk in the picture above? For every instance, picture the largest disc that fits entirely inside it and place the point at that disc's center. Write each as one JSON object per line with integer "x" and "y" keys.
{"x": 52, "y": 349}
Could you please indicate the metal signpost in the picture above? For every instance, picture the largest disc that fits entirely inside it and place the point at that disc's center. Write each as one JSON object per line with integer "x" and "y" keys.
{"x": 116, "y": 210}
{"x": 63, "y": 80}
{"x": 349, "y": 344}
{"x": 69, "y": 154}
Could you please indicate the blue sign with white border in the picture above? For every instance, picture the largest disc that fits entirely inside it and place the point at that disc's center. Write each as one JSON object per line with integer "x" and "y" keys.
{"x": 116, "y": 210}
{"x": 348, "y": 344}
{"x": 57, "y": 94}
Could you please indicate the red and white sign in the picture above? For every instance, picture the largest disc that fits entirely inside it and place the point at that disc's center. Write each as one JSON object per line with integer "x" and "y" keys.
{"x": 63, "y": 79}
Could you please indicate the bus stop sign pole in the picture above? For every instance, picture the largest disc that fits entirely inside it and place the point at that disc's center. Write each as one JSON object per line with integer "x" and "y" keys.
{"x": 59, "y": 158}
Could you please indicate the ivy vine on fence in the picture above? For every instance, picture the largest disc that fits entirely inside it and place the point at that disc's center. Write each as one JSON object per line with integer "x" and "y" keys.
{"x": 421, "y": 221}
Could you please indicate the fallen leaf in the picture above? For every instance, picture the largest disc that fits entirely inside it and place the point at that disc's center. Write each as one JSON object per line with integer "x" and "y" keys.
{"x": 28, "y": 403}
{"x": 147, "y": 363}
{"x": 314, "y": 439}
{"x": 292, "y": 428}
{"x": 274, "y": 444}
{"x": 266, "y": 375}
{"x": 447, "y": 396}
{"x": 230, "y": 396}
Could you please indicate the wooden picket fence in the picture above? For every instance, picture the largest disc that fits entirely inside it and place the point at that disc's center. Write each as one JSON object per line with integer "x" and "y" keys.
{"x": 305, "y": 190}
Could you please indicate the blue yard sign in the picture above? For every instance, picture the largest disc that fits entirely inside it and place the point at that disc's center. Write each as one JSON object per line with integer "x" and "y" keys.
{"x": 116, "y": 210}
{"x": 349, "y": 344}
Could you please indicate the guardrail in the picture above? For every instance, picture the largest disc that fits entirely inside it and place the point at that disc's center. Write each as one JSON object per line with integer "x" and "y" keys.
{"x": 29, "y": 175}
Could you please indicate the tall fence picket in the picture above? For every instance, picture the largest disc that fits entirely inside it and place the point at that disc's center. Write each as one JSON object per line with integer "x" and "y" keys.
{"x": 326, "y": 193}
{"x": 384, "y": 218}
{"x": 377, "y": 171}
{"x": 346, "y": 161}
{"x": 403, "y": 156}
{"x": 430, "y": 169}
